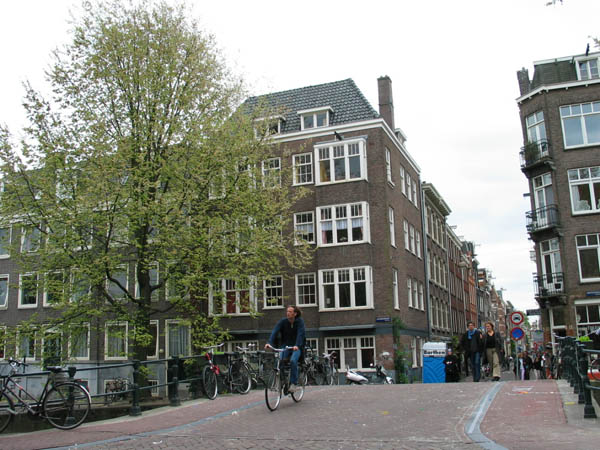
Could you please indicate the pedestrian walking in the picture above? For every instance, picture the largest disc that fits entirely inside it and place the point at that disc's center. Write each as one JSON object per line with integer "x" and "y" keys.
{"x": 472, "y": 343}
{"x": 527, "y": 366}
{"x": 451, "y": 367}
{"x": 493, "y": 345}
{"x": 537, "y": 365}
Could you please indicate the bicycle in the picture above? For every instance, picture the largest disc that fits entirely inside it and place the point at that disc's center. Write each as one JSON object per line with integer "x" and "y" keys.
{"x": 116, "y": 389}
{"x": 237, "y": 376}
{"x": 278, "y": 381}
{"x": 248, "y": 354}
{"x": 315, "y": 369}
{"x": 64, "y": 404}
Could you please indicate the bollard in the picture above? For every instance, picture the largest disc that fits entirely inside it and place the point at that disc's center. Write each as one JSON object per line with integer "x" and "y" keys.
{"x": 135, "y": 409}
{"x": 72, "y": 370}
{"x": 588, "y": 410}
{"x": 581, "y": 374}
{"x": 174, "y": 387}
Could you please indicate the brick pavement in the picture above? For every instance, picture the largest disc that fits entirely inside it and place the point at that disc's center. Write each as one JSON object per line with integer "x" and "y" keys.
{"x": 420, "y": 416}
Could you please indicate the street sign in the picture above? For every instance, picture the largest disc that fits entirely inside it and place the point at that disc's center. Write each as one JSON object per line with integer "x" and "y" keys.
{"x": 517, "y": 317}
{"x": 517, "y": 333}
{"x": 534, "y": 312}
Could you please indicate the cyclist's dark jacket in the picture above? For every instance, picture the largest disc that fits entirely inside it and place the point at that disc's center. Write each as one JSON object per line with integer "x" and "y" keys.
{"x": 289, "y": 334}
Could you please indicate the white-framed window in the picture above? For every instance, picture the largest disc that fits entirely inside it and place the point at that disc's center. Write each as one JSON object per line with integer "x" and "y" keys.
{"x": 271, "y": 172}
{"x": 154, "y": 274}
{"x": 588, "y": 316}
{"x": 54, "y": 287}
{"x": 238, "y": 297}
{"x": 587, "y": 69}
{"x": 303, "y": 169}
{"x": 153, "y": 331}
{"x": 355, "y": 352}
{"x": 415, "y": 198}
{"x": 52, "y": 345}
{"x": 409, "y": 291}
{"x": 585, "y": 189}
{"x": 588, "y": 256}
{"x": 406, "y": 236}
{"x": 306, "y": 289}
{"x": 313, "y": 343}
{"x": 409, "y": 186}
{"x": 267, "y": 126}
{"x": 4, "y": 283}
{"x": 418, "y": 244}
{"x": 121, "y": 275}
{"x": 343, "y": 224}
{"x": 26, "y": 344}
{"x": 79, "y": 342}
{"x": 536, "y": 130}
{"x": 392, "y": 226}
{"x": 543, "y": 196}
{"x": 388, "y": 166}
{"x": 232, "y": 346}
{"x": 116, "y": 340}
{"x": 415, "y": 294}
{"x": 304, "y": 227}
{"x": 5, "y": 236}
{"x": 417, "y": 356}
{"x": 402, "y": 180}
{"x": 31, "y": 237}
{"x": 581, "y": 124}
{"x": 28, "y": 290}
{"x": 179, "y": 339}
{"x": 412, "y": 240}
{"x": 273, "y": 292}
{"x": 347, "y": 288}
{"x": 395, "y": 288}
{"x": 341, "y": 162}
{"x": 421, "y": 297}
{"x": 314, "y": 118}
{"x": 80, "y": 286}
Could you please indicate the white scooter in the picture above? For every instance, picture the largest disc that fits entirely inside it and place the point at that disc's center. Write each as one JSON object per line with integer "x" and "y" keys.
{"x": 353, "y": 377}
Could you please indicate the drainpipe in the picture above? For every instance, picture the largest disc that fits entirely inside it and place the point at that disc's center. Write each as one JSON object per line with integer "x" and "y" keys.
{"x": 425, "y": 259}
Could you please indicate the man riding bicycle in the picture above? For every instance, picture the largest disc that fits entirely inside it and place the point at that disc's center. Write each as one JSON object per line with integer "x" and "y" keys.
{"x": 290, "y": 333}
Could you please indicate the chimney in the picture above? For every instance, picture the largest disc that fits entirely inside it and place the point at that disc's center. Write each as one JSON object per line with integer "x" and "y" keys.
{"x": 386, "y": 100}
{"x": 523, "y": 77}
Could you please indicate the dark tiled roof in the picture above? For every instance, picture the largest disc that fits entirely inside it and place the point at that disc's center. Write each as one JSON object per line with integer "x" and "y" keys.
{"x": 347, "y": 101}
{"x": 553, "y": 72}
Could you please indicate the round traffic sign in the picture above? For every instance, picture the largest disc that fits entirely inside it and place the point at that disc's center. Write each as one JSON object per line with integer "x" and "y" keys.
{"x": 517, "y": 317}
{"x": 517, "y": 333}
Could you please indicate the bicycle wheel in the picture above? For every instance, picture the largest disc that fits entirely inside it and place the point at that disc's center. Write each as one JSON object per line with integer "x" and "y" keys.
{"x": 299, "y": 393}
{"x": 594, "y": 369}
{"x": 241, "y": 379}
{"x": 209, "y": 383}
{"x": 6, "y": 408}
{"x": 327, "y": 376}
{"x": 66, "y": 406}
{"x": 273, "y": 390}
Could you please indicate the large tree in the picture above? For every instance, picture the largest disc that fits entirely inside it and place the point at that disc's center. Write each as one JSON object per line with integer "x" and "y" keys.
{"x": 140, "y": 178}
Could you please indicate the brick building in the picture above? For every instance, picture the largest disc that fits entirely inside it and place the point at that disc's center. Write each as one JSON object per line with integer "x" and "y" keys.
{"x": 560, "y": 118}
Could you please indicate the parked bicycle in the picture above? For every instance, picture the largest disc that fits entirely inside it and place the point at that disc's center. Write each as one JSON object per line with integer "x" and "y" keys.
{"x": 278, "y": 381}
{"x": 237, "y": 376}
{"x": 116, "y": 390}
{"x": 64, "y": 404}
{"x": 255, "y": 363}
{"x": 331, "y": 371}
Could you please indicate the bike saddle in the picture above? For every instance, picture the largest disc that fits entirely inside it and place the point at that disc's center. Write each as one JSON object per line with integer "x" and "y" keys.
{"x": 54, "y": 369}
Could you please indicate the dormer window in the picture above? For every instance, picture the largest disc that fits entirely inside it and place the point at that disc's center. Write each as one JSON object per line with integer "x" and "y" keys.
{"x": 268, "y": 126}
{"x": 588, "y": 69}
{"x": 315, "y": 117}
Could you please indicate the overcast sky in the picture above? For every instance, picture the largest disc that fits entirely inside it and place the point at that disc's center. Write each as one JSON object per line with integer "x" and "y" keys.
{"x": 452, "y": 63}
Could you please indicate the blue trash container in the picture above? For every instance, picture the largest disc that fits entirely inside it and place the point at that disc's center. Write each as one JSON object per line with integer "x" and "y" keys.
{"x": 433, "y": 362}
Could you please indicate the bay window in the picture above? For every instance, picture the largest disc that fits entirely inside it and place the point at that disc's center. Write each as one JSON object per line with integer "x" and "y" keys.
{"x": 345, "y": 288}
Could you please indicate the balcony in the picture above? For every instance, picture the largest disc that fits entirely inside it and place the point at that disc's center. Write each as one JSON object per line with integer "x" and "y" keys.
{"x": 535, "y": 154}
{"x": 548, "y": 285}
{"x": 543, "y": 218}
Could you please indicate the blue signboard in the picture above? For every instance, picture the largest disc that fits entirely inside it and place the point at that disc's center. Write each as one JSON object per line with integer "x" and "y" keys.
{"x": 517, "y": 333}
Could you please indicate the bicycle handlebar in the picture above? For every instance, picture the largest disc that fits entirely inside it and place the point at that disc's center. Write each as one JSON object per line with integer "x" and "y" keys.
{"x": 279, "y": 350}
{"x": 15, "y": 363}
{"x": 214, "y": 346}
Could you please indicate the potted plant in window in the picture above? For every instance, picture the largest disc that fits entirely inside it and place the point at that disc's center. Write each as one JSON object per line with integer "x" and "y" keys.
{"x": 531, "y": 153}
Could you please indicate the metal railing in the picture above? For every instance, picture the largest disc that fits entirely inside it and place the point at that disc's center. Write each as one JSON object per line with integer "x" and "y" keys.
{"x": 548, "y": 284}
{"x": 534, "y": 153}
{"x": 576, "y": 360}
{"x": 542, "y": 218}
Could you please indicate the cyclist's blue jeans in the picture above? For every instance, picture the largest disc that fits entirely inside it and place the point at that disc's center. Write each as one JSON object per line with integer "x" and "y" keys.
{"x": 293, "y": 363}
{"x": 476, "y": 365}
